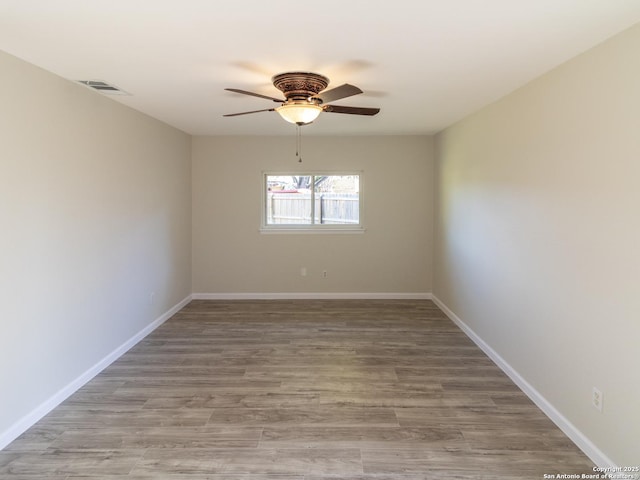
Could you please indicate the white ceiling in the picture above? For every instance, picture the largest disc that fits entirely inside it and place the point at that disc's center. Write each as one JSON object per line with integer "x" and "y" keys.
{"x": 425, "y": 63}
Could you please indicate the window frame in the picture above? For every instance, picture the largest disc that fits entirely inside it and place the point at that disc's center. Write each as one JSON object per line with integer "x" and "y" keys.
{"x": 311, "y": 228}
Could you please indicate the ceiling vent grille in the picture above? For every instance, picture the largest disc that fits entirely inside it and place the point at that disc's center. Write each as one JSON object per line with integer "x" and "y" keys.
{"x": 103, "y": 87}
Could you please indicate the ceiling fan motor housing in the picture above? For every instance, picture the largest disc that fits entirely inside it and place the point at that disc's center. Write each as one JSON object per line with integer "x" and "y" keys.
{"x": 300, "y": 85}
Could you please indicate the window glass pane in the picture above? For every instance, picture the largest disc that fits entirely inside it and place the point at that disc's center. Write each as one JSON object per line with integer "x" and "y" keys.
{"x": 288, "y": 200}
{"x": 337, "y": 200}
{"x": 312, "y": 200}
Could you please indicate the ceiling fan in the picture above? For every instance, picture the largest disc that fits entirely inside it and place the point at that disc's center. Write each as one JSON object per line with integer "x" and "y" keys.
{"x": 306, "y": 97}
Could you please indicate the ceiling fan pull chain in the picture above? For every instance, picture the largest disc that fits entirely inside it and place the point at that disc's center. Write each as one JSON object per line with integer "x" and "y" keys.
{"x": 299, "y": 143}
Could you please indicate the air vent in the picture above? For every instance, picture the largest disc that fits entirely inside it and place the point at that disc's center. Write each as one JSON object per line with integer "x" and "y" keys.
{"x": 103, "y": 87}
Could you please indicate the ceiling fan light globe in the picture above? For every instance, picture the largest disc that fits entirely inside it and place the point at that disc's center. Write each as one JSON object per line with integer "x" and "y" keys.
{"x": 299, "y": 114}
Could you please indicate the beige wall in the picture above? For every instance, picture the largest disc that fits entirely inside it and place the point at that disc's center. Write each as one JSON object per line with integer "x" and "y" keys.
{"x": 538, "y": 237}
{"x": 95, "y": 203}
{"x": 393, "y": 256}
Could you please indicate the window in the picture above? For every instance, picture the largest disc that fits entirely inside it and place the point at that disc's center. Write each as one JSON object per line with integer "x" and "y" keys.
{"x": 311, "y": 202}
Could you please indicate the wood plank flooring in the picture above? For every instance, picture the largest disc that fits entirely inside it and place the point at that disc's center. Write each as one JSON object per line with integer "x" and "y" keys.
{"x": 297, "y": 390}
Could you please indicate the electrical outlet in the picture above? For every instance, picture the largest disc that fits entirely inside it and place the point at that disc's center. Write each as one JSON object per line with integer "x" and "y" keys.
{"x": 597, "y": 399}
{"x": 324, "y": 273}
{"x": 303, "y": 272}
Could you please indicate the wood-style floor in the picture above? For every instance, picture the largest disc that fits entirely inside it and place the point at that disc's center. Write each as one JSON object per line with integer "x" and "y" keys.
{"x": 297, "y": 390}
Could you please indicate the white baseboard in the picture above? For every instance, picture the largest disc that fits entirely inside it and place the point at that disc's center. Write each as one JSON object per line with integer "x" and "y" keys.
{"x": 312, "y": 296}
{"x": 587, "y": 446}
{"x": 26, "y": 422}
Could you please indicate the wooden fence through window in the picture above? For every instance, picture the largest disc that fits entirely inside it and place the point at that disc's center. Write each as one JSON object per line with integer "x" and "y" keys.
{"x": 330, "y": 208}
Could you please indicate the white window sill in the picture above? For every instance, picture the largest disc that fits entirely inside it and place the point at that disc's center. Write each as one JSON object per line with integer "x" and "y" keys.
{"x": 312, "y": 231}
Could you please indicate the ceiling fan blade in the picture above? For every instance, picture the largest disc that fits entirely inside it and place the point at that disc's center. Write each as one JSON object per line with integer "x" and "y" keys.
{"x": 246, "y": 113}
{"x": 244, "y": 92}
{"x": 343, "y": 91}
{"x": 351, "y": 110}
